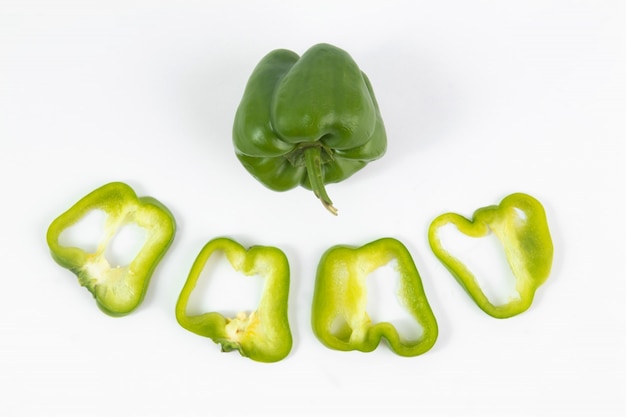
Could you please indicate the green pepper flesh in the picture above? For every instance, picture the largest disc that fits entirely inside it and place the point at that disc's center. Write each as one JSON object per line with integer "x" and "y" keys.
{"x": 263, "y": 335}
{"x": 520, "y": 224}
{"x": 117, "y": 289}
{"x": 339, "y": 317}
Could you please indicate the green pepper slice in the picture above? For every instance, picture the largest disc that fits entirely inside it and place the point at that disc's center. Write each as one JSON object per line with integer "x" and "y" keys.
{"x": 263, "y": 335}
{"x": 117, "y": 289}
{"x": 309, "y": 121}
{"x": 520, "y": 224}
{"x": 339, "y": 317}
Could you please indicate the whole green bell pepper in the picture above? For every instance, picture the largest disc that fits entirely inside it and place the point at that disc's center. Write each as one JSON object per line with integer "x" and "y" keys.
{"x": 118, "y": 289}
{"x": 262, "y": 335}
{"x": 309, "y": 121}
{"x": 339, "y": 317}
{"x": 520, "y": 224}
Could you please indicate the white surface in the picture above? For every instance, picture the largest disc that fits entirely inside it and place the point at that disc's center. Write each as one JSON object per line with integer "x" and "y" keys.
{"x": 480, "y": 99}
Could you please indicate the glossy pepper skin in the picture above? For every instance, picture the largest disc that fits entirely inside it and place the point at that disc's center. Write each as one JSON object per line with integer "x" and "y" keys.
{"x": 520, "y": 224}
{"x": 117, "y": 289}
{"x": 263, "y": 335}
{"x": 309, "y": 121}
{"x": 339, "y": 318}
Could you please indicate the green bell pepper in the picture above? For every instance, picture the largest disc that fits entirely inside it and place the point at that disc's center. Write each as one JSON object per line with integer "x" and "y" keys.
{"x": 309, "y": 121}
{"x": 339, "y": 317}
{"x": 263, "y": 335}
{"x": 117, "y": 289}
{"x": 519, "y": 222}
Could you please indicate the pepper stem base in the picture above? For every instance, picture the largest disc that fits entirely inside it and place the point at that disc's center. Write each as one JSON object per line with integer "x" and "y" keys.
{"x": 313, "y": 163}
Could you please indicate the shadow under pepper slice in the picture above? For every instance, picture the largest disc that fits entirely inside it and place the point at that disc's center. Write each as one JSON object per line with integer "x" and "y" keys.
{"x": 339, "y": 317}
{"x": 519, "y": 222}
{"x": 118, "y": 289}
{"x": 263, "y": 335}
{"x": 309, "y": 121}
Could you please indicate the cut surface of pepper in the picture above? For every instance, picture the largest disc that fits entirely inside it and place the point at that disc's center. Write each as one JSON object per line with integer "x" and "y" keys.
{"x": 309, "y": 121}
{"x": 339, "y": 317}
{"x": 117, "y": 289}
{"x": 263, "y": 335}
{"x": 520, "y": 224}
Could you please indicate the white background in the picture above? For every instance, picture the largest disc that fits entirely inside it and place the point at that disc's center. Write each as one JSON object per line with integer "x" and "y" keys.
{"x": 480, "y": 99}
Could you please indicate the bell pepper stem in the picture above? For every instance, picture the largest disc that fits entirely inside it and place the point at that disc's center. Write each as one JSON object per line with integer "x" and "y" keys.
{"x": 313, "y": 163}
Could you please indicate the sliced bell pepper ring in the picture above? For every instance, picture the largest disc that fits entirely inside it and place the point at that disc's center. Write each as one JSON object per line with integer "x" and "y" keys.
{"x": 339, "y": 317}
{"x": 263, "y": 335}
{"x": 520, "y": 224}
{"x": 117, "y": 289}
